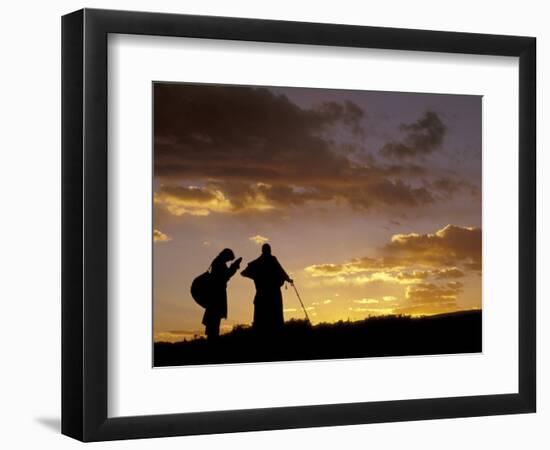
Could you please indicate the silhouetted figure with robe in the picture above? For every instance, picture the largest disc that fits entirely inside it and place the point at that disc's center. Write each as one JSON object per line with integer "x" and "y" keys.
{"x": 268, "y": 276}
{"x": 216, "y": 309}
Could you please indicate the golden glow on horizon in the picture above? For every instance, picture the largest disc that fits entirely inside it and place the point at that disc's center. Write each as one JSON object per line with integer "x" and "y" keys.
{"x": 358, "y": 313}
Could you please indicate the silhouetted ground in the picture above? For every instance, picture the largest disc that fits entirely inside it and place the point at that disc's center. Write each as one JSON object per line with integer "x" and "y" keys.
{"x": 458, "y": 332}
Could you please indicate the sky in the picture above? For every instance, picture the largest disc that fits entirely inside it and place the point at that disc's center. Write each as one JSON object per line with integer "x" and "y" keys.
{"x": 370, "y": 200}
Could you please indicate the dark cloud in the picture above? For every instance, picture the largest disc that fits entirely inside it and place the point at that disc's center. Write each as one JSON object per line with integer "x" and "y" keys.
{"x": 410, "y": 170}
{"x": 251, "y": 149}
{"x": 448, "y": 187}
{"x": 421, "y": 138}
{"x": 245, "y": 133}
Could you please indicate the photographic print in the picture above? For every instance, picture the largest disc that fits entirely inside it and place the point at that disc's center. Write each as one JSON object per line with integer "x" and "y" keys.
{"x": 296, "y": 223}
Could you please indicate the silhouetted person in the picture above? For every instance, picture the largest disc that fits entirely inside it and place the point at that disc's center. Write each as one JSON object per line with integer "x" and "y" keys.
{"x": 216, "y": 309}
{"x": 268, "y": 276}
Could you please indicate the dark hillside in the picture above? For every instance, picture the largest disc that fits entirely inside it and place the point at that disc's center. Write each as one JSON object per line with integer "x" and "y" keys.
{"x": 458, "y": 332}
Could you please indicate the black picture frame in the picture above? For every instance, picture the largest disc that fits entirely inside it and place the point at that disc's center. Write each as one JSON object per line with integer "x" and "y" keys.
{"x": 84, "y": 224}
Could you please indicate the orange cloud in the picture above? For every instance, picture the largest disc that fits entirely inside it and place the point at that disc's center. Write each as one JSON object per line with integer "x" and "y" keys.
{"x": 356, "y": 273}
{"x": 357, "y": 265}
{"x": 448, "y": 246}
{"x": 159, "y": 236}
{"x": 415, "y": 275}
{"x": 372, "y": 311}
{"x": 439, "y": 254}
{"x": 192, "y": 200}
{"x": 427, "y": 265}
{"x": 451, "y": 272}
{"x": 259, "y": 239}
{"x": 432, "y": 293}
{"x": 366, "y": 301}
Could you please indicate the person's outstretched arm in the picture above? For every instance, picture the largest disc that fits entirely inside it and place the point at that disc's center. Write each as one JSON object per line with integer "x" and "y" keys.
{"x": 232, "y": 269}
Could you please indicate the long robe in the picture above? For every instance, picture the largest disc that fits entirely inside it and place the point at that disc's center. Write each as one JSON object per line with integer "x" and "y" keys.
{"x": 268, "y": 276}
{"x": 217, "y": 304}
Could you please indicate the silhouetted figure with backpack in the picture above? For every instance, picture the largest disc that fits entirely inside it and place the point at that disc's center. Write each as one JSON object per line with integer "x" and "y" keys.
{"x": 268, "y": 276}
{"x": 214, "y": 289}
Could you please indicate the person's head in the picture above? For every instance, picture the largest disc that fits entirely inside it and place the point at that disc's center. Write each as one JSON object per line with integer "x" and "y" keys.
{"x": 266, "y": 249}
{"x": 226, "y": 255}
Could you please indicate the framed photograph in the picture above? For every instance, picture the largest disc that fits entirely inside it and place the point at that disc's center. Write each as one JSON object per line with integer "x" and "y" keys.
{"x": 273, "y": 224}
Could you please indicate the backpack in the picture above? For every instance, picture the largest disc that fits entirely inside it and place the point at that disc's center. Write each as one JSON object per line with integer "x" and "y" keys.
{"x": 200, "y": 289}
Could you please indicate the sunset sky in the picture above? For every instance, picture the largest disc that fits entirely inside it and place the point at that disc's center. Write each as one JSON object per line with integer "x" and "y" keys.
{"x": 371, "y": 200}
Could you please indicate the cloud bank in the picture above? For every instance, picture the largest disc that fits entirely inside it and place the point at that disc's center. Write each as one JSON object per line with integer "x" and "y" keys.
{"x": 427, "y": 266}
{"x": 232, "y": 149}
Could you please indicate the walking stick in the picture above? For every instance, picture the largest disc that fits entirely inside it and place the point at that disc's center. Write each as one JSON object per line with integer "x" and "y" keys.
{"x": 301, "y": 303}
